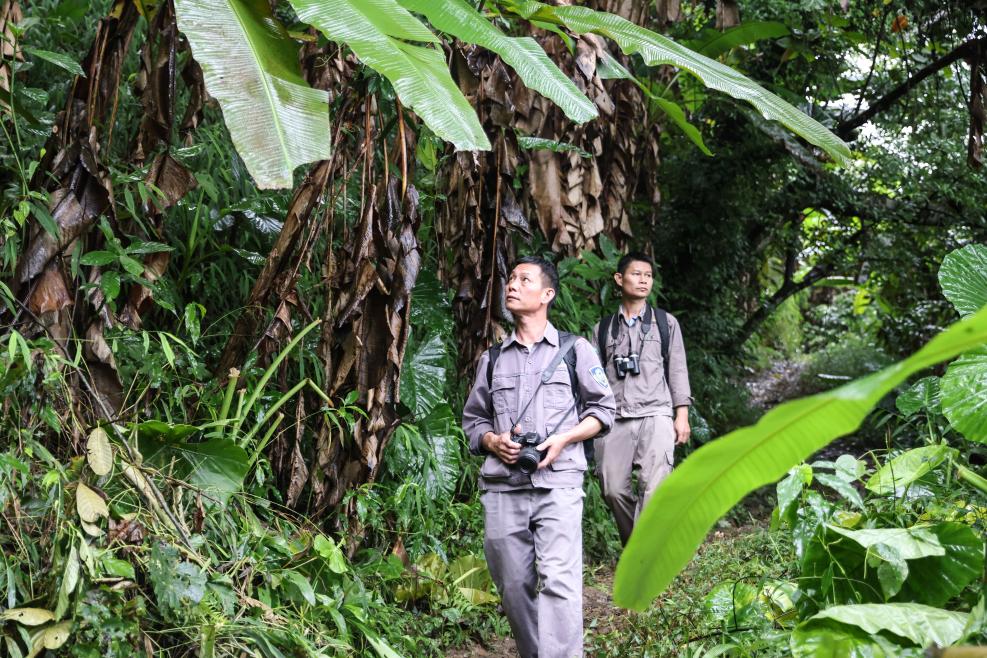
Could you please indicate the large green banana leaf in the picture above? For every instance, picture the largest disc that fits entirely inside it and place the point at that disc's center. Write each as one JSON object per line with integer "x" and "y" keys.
{"x": 656, "y": 49}
{"x": 381, "y": 33}
{"x": 250, "y": 66}
{"x": 523, "y": 54}
{"x": 721, "y": 473}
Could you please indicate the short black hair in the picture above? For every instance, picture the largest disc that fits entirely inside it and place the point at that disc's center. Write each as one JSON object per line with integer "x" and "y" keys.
{"x": 631, "y": 256}
{"x": 549, "y": 275}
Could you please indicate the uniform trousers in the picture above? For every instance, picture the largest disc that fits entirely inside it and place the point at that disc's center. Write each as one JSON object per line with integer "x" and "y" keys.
{"x": 533, "y": 542}
{"x": 646, "y": 444}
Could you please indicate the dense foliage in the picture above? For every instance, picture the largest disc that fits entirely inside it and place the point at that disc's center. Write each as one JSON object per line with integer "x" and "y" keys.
{"x": 230, "y": 413}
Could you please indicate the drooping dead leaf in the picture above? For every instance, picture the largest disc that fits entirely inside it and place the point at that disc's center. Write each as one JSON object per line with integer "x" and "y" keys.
{"x": 50, "y": 294}
{"x": 27, "y": 616}
{"x": 10, "y": 14}
{"x": 55, "y": 636}
{"x": 90, "y": 505}
{"x": 91, "y": 529}
{"x": 99, "y": 452}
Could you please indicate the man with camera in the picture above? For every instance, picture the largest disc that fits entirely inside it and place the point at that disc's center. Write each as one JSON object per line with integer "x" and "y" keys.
{"x": 641, "y": 348}
{"x": 537, "y": 397}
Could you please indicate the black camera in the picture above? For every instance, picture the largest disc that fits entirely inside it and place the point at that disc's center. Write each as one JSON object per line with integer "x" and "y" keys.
{"x": 529, "y": 458}
{"x": 627, "y": 365}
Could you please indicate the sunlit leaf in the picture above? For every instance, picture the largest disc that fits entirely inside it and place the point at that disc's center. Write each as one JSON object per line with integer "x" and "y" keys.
{"x": 523, "y": 54}
{"x": 922, "y": 624}
{"x": 250, "y": 66}
{"x": 386, "y": 37}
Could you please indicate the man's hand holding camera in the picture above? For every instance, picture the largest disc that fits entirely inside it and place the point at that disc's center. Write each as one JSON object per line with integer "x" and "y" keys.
{"x": 502, "y": 445}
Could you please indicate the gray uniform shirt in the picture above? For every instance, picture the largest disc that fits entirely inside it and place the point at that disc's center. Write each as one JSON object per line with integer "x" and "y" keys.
{"x": 517, "y": 372}
{"x": 648, "y": 394}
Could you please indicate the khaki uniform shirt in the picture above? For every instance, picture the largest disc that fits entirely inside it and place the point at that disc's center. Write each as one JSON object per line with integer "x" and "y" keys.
{"x": 647, "y": 394}
{"x": 517, "y": 372}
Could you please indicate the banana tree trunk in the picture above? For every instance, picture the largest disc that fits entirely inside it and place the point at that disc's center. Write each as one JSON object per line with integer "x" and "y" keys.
{"x": 571, "y": 197}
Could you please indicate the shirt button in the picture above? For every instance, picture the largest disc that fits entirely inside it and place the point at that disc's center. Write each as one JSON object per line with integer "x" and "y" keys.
{"x": 527, "y": 419}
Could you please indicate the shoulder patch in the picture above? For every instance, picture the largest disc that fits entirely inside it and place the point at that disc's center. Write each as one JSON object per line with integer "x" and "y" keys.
{"x": 600, "y": 376}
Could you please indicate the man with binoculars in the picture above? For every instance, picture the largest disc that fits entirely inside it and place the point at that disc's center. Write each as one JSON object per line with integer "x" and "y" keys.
{"x": 641, "y": 348}
{"x": 537, "y": 397}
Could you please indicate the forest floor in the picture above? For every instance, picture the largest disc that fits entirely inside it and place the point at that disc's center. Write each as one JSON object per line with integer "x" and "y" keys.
{"x": 740, "y": 547}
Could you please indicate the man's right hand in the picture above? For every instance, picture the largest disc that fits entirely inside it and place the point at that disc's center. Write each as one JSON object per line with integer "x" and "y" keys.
{"x": 502, "y": 445}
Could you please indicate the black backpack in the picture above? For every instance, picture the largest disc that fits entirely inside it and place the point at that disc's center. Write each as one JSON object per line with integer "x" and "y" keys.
{"x": 608, "y": 324}
{"x": 569, "y": 358}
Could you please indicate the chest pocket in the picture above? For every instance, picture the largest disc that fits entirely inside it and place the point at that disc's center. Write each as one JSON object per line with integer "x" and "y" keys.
{"x": 558, "y": 393}
{"x": 503, "y": 391}
{"x": 651, "y": 347}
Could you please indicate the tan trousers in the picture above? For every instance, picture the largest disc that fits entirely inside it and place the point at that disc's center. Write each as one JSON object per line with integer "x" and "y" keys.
{"x": 646, "y": 444}
{"x": 533, "y": 541}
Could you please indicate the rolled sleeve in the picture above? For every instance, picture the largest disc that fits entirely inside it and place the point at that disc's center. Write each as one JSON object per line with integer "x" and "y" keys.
{"x": 477, "y": 415}
{"x": 678, "y": 369}
{"x": 594, "y": 389}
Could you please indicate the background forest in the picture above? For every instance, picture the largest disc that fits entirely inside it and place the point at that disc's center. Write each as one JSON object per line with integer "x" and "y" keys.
{"x": 250, "y": 252}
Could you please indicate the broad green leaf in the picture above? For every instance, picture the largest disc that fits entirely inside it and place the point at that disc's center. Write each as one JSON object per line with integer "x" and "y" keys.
{"x": 789, "y": 489}
{"x": 89, "y": 504}
{"x": 250, "y": 66}
{"x": 98, "y": 258}
{"x": 714, "y": 43}
{"x": 964, "y": 395}
{"x": 719, "y": 474}
{"x": 677, "y": 115}
{"x": 910, "y": 543}
{"x": 217, "y": 466}
{"x": 423, "y": 374}
{"x": 70, "y": 578}
{"x": 471, "y": 578}
{"x": 158, "y": 429}
{"x": 302, "y": 584}
{"x": 934, "y": 580}
{"x": 99, "y": 452}
{"x": 331, "y": 553}
{"x": 892, "y": 571}
{"x": 380, "y": 646}
{"x": 732, "y": 603}
{"x": 963, "y": 277}
{"x": 922, "y": 624}
{"x": 922, "y": 395}
{"x": 842, "y": 487}
{"x": 523, "y": 54}
{"x": 827, "y": 639}
{"x": 58, "y": 59}
{"x": 908, "y": 467}
{"x": 657, "y": 50}
{"x": 849, "y": 468}
{"x": 380, "y": 32}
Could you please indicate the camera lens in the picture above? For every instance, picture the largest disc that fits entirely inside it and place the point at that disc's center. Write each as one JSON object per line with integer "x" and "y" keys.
{"x": 528, "y": 460}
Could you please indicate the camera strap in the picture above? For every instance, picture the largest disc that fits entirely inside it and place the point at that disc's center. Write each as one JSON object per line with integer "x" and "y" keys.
{"x": 566, "y": 343}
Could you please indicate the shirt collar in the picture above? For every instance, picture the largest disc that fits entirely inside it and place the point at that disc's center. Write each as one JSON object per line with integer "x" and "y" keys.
{"x": 551, "y": 336}
{"x": 630, "y": 322}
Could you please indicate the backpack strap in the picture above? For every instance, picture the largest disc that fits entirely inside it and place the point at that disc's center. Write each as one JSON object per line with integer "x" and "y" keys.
{"x": 661, "y": 317}
{"x": 589, "y": 448}
{"x": 601, "y": 337}
{"x": 494, "y": 354}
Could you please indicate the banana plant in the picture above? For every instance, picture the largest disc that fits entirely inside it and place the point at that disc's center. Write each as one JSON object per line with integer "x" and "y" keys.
{"x": 249, "y": 64}
{"x": 278, "y": 122}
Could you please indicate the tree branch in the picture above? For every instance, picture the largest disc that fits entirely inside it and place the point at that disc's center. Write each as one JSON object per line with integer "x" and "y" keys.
{"x": 846, "y": 128}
